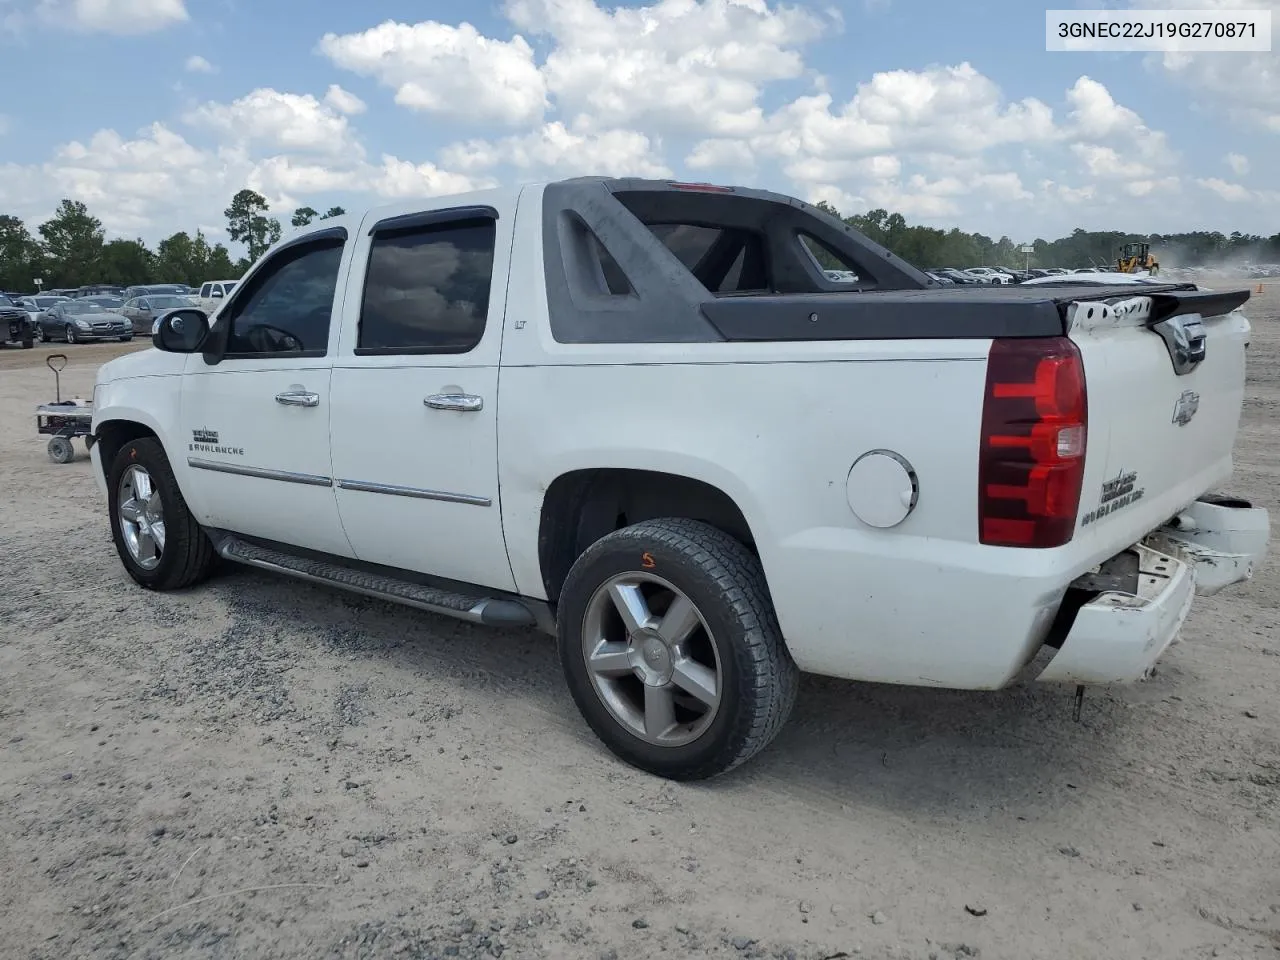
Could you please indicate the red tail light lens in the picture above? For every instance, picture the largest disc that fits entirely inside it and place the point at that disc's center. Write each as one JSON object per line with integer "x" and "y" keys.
{"x": 1034, "y": 427}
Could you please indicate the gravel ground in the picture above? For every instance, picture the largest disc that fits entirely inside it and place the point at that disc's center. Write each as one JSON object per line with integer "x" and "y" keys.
{"x": 262, "y": 768}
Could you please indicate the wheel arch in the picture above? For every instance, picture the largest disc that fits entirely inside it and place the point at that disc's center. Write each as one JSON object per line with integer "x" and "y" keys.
{"x": 110, "y": 435}
{"x": 581, "y": 506}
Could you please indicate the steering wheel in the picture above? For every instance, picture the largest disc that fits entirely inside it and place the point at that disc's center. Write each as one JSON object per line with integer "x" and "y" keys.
{"x": 264, "y": 338}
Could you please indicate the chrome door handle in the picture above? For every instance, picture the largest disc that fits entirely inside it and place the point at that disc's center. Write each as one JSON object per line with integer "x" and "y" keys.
{"x": 298, "y": 398}
{"x": 466, "y": 402}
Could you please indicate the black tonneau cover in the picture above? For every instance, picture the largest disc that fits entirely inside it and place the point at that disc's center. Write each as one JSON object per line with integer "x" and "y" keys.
{"x": 1039, "y": 310}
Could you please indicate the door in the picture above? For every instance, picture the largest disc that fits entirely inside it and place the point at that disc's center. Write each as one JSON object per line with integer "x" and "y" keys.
{"x": 256, "y": 407}
{"x": 415, "y": 393}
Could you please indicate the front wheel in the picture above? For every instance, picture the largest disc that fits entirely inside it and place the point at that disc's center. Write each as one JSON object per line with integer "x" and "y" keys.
{"x": 70, "y": 334}
{"x": 159, "y": 542}
{"x": 672, "y": 651}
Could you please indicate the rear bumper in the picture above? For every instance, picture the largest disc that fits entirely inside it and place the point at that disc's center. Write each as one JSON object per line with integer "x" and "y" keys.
{"x": 1118, "y": 636}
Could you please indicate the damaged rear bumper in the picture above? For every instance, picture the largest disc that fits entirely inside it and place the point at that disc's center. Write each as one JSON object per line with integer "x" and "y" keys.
{"x": 1119, "y": 619}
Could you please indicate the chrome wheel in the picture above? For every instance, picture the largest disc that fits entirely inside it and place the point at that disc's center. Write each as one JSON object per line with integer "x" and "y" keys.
{"x": 141, "y": 517}
{"x": 652, "y": 659}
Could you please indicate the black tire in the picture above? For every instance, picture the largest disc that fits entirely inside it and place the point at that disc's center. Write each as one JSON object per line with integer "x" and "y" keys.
{"x": 70, "y": 333}
{"x": 126, "y": 339}
{"x": 28, "y": 341}
{"x": 725, "y": 581}
{"x": 188, "y": 556}
{"x": 60, "y": 450}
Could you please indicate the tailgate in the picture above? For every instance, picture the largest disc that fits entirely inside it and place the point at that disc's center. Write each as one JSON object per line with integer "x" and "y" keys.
{"x": 1165, "y": 375}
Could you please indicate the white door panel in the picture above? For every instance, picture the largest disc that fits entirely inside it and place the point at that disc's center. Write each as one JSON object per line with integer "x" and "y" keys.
{"x": 417, "y": 486}
{"x": 260, "y": 466}
{"x": 415, "y": 388}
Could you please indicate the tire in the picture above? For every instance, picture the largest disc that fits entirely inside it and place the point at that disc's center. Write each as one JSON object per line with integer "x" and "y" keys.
{"x": 187, "y": 556}
{"x": 125, "y": 339}
{"x": 28, "y": 342}
{"x": 39, "y": 335}
{"x": 756, "y": 679}
{"x": 70, "y": 333}
{"x": 60, "y": 450}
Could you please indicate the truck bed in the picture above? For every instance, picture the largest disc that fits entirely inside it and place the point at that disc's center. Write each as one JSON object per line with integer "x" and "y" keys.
{"x": 944, "y": 313}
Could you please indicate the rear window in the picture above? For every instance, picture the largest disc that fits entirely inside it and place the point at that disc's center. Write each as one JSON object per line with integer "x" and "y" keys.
{"x": 725, "y": 260}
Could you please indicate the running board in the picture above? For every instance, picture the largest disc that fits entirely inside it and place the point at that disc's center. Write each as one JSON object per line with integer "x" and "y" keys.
{"x": 474, "y": 609}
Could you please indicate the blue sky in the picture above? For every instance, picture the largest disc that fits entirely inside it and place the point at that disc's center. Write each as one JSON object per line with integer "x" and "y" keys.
{"x": 953, "y": 114}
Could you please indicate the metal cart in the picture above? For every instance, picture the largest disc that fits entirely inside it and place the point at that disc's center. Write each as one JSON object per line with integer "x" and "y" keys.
{"x": 63, "y": 420}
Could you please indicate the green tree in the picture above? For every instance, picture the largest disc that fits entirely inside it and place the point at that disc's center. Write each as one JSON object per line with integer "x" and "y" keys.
{"x": 73, "y": 242}
{"x": 248, "y": 223}
{"x": 125, "y": 262}
{"x": 219, "y": 265}
{"x": 174, "y": 259}
{"x": 333, "y": 212}
{"x": 303, "y": 215}
{"x": 19, "y": 255}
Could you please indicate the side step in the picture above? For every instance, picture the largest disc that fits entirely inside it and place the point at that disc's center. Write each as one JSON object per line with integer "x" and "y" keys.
{"x": 474, "y": 609}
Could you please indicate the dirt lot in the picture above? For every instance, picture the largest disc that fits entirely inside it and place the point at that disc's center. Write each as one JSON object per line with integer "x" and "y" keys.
{"x": 261, "y": 768}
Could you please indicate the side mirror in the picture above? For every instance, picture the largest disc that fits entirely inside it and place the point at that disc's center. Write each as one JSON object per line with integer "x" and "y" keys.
{"x": 180, "y": 331}
{"x": 216, "y": 294}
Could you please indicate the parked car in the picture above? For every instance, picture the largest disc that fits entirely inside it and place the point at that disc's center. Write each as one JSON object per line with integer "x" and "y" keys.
{"x": 150, "y": 289}
{"x": 990, "y": 275}
{"x": 212, "y": 293}
{"x": 79, "y": 321}
{"x": 15, "y": 324}
{"x": 142, "y": 311}
{"x": 689, "y": 490}
{"x": 958, "y": 277}
{"x": 37, "y": 305}
{"x": 107, "y": 302}
{"x": 940, "y": 278}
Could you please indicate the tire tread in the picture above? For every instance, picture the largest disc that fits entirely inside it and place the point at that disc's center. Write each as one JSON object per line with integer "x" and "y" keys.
{"x": 770, "y": 676}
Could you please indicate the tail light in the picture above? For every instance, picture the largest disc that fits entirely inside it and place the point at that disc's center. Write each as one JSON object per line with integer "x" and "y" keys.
{"x": 1034, "y": 427}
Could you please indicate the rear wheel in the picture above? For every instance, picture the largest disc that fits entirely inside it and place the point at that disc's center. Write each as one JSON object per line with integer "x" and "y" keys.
{"x": 672, "y": 651}
{"x": 159, "y": 542}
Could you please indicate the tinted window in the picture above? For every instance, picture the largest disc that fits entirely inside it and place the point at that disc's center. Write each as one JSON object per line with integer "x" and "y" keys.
{"x": 6, "y": 302}
{"x": 724, "y": 260}
{"x": 427, "y": 289}
{"x": 286, "y": 306}
{"x": 204, "y": 290}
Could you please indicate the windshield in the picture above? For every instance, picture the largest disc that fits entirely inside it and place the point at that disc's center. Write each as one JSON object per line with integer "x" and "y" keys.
{"x": 83, "y": 306}
{"x": 5, "y": 301}
{"x": 228, "y": 287}
{"x": 166, "y": 302}
{"x": 45, "y": 302}
{"x": 106, "y": 301}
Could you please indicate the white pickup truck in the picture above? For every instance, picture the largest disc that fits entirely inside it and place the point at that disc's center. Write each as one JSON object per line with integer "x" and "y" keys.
{"x": 642, "y": 416}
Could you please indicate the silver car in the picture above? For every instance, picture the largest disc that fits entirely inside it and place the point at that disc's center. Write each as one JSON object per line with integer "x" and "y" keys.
{"x": 76, "y": 321}
{"x": 142, "y": 311}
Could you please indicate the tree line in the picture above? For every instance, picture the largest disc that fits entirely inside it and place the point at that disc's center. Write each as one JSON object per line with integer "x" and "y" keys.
{"x": 928, "y": 247}
{"x": 70, "y": 249}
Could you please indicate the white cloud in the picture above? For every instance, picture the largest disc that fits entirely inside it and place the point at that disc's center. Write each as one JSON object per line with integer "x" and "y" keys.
{"x": 1245, "y": 85}
{"x": 1231, "y": 192}
{"x": 723, "y": 154}
{"x": 198, "y": 64}
{"x": 1105, "y": 163}
{"x": 555, "y": 148}
{"x": 1239, "y": 164}
{"x": 344, "y": 101}
{"x": 287, "y": 121}
{"x": 447, "y": 70}
{"x": 403, "y": 178}
{"x": 670, "y": 65}
{"x": 120, "y": 17}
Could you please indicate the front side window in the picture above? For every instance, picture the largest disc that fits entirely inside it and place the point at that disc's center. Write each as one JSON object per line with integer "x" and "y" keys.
{"x": 287, "y": 305}
{"x": 204, "y": 289}
{"x": 427, "y": 288}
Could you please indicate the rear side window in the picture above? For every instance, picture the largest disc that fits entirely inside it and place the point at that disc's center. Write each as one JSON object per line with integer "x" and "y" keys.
{"x": 427, "y": 288}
